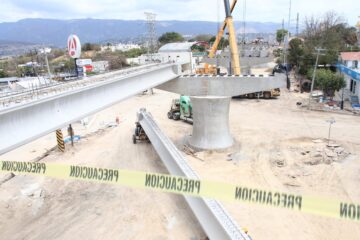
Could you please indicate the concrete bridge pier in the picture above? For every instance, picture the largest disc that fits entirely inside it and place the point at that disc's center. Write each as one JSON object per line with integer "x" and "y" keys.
{"x": 211, "y": 123}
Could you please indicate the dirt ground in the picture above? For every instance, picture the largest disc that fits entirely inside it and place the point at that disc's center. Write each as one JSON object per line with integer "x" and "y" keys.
{"x": 278, "y": 146}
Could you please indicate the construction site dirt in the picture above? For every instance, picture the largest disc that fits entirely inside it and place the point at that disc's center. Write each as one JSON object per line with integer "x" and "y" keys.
{"x": 278, "y": 146}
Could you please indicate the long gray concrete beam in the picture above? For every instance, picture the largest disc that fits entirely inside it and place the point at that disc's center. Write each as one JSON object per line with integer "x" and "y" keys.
{"x": 212, "y": 216}
{"x": 23, "y": 123}
{"x": 204, "y": 85}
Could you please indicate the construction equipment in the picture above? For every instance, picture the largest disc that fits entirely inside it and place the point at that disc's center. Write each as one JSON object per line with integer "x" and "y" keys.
{"x": 207, "y": 69}
{"x": 139, "y": 134}
{"x": 264, "y": 94}
{"x": 210, "y": 69}
{"x": 181, "y": 109}
{"x": 220, "y": 33}
{"x": 235, "y": 60}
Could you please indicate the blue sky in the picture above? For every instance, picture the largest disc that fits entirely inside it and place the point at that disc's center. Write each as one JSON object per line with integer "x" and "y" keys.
{"x": 206, "y": 10}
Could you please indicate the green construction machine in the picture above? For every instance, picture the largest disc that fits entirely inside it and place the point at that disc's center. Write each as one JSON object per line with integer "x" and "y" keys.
{"x": 181, "y": 109}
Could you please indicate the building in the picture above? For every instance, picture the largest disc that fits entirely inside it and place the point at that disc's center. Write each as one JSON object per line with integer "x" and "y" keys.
{"x": 173, "y": 52}
{"x": 24, "y": 83}
{"x": 30, "y": 64}
{"x": 100, "y": 66}
{"x": 349, "y": 66}
{"x": 120, "y": 47}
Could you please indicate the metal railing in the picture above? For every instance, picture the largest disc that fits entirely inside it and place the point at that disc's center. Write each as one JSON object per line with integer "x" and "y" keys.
{"x": 16, "y": 97}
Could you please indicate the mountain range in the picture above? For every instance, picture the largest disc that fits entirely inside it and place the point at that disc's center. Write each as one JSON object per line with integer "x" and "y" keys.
{"x": 55, "y": 32}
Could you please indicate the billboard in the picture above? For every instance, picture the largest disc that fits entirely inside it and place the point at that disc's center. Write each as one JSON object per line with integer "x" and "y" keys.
{"x": 74, "y": 46}
{"x": 83, "y": 62}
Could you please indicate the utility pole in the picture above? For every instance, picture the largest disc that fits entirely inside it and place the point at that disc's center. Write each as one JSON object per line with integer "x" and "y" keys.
{"x": 45, "y": 51}
{"x": 297, "y": 24}
{"x": 314, "y": 73}
{"x": 287, "y": 38}
{"x": 32, "y": 62}
{"x": 47, "y": 65}
{"x": 151, "y": 38}
{"x": 283, "y": 39}
{"x": 151, "y": 33}
{"x": 244, "y": 22}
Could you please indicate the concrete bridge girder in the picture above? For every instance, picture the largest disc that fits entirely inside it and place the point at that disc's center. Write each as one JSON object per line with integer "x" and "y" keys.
{"x": 203, "y": 85}
{"x": 26, "y": 122}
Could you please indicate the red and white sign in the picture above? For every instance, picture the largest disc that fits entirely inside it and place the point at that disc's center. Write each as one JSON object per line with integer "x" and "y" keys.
{"x": 83, "y": 62}
{"x": 74, "y": 46}
{"x": 88, "y": 68}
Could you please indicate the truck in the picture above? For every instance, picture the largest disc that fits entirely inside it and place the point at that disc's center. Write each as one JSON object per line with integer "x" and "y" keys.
{"x": 273, "y": 93}
{"x": 181, "y": 108}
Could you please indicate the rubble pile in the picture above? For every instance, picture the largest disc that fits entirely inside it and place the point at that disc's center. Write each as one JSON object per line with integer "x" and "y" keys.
{"x": 323, "y": 153}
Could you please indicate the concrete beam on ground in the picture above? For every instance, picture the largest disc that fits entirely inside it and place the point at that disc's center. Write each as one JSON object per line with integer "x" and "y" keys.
{"x": 212, "y": 216}
{"x": 209, "y": 85}
{"x": 25, "y": 122}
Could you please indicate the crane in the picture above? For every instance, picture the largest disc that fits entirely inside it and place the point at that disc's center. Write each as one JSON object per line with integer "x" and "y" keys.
{"x": 228, "y": 22}
{"x": 232, "y": 40}
{"x": 220, "y": 33}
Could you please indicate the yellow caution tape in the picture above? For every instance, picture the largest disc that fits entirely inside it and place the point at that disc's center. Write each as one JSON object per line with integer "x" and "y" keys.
{"x": 193, "y": 187}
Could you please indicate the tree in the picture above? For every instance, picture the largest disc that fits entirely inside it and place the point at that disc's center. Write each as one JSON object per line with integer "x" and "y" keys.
{"x": 296, "y": 51}
{"x": 280, "y": 35}
{"x": 327, "y": 81}
{"x": 55, "y": 53}
{"x": 135, "y": 52}
{"x": 3, "y": 74}
{"x": 330, "y": 32}
{"x": 198, "y": 48}
{"x": 90, "y": 47}
{"x": 222, "y": 44}
{"x": 117, "y": 59}
{"x": 25, "y": 71}
{"x": 203, "y": 37}
{"x": 169, "y": 37}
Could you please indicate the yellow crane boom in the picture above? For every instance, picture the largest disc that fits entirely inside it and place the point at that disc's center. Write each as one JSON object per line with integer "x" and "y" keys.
{"x": 220, "y": 33}
{"x": 235, "y": 60}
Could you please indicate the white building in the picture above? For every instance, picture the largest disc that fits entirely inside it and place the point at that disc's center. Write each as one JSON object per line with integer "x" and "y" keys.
{"x": 100, "y": 66}
{"x": 30, "y": 64}
{"x": 350, "y": 67}
{"x": 120, "y": 47}
{"x": 173, "y": 52}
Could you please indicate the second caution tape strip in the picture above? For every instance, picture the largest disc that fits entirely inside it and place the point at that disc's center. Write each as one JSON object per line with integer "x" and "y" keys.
{"x": 193, "y": 187}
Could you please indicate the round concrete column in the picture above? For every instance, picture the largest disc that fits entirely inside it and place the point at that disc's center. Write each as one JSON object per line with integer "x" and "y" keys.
{"x": 211, "y": 123}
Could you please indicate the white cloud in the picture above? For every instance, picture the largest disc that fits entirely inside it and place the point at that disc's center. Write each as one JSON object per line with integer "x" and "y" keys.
{"x": 206, "y": 10}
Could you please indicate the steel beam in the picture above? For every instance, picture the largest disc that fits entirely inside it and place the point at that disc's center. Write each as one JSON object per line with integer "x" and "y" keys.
{"x": 25, "y": 122}
{"x": 212, "y": 216}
